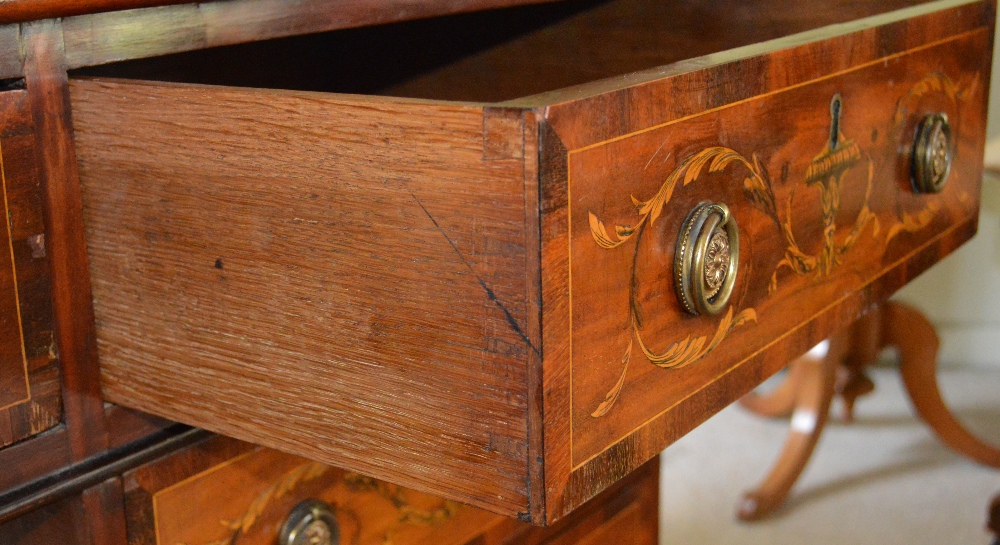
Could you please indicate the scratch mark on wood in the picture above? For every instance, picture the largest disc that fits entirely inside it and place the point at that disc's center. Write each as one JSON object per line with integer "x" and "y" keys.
{"x": 489, "y": 293}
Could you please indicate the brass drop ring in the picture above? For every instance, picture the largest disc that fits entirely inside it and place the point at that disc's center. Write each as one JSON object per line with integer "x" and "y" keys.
{"x": 706, "y": 259}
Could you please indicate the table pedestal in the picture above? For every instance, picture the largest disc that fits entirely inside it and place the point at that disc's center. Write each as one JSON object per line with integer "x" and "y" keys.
{"x": 839, "y": 370}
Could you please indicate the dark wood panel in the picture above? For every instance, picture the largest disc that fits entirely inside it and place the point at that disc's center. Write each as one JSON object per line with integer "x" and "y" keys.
{"x": 627, "y": 512}
{"x": 357, "y": 11}
{"x": 101, "y": 38}
{"x": 49, "y": 451}
{"x": 13, "y": 361}
{"x": 330, "y": 61}
{"x": 61, "y": 523}
{"x": 64, "y": 244}
{"x": 105, "y": 500}
{"x": 35, "y": 457}
{"x": 128, "y": 426}
{"x": 29, "y": 373}
{"x": 624, "y": 36}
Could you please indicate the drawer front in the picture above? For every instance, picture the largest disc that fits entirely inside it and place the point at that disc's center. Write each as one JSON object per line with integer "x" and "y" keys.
{"x": 29, "y": 373}
{"x": 226, "y": 491}
{"x": 820, "y": 215}
{"x": 817, "y": 176}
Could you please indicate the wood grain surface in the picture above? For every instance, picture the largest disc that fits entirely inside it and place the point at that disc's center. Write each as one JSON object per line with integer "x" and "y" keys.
{"x": 107, "y": 37}
{"x": 661, "y": 123}
{"x": 30, "y": 399}
{"x": 703, "y": 83}
{"x": 17, "y": 11}
{"x": 62, "y": 522}
{"x": 358, "y": 11}
{"x": 625, "y": 36}
{"x": 790, "y": 269}
{"x": 316, "y": 256}
{"x": 13, "y": 362}
{"x": 386, "y": 284}
{"x": 11, "y": 61}
{"x": 226, "y": 491}
{"x": 64, "y": 244}
{"x": 328, "y": 61}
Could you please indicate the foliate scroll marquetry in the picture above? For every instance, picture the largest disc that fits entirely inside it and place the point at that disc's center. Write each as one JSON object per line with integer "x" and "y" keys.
{"x": 826, "y": 172}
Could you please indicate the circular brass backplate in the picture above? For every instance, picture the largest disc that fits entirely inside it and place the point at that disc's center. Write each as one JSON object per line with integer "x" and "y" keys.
{"x": 706, "y": 259}
{"x": 311, "y": 522}
{"x": 932, "y": 151}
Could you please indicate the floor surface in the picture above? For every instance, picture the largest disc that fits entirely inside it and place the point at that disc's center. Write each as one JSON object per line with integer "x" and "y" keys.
{"x": 884, "y": 479}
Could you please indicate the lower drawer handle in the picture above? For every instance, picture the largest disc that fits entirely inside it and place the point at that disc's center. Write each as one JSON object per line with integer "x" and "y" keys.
{"x": 706, "y": 259}
{"x": 311, "y": 522}
{"x": 932, "y": 154}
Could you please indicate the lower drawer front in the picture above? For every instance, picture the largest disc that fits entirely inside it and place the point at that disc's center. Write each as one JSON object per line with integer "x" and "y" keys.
{"x": 223, "y": 491}
{"x": 819, "y": 181}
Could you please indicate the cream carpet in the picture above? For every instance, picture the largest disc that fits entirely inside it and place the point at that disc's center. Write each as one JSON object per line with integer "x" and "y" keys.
{"x": 884, "y": 479}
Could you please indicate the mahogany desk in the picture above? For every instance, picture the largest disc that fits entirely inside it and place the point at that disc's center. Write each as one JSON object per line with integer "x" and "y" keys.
{"x": 460, "y": 272}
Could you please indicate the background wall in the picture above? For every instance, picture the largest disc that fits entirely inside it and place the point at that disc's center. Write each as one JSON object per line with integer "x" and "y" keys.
{"x": 961, "y": 295}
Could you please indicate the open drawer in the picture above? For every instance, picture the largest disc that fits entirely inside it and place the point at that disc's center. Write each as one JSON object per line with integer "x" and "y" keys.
{"x": 514, "y": 302}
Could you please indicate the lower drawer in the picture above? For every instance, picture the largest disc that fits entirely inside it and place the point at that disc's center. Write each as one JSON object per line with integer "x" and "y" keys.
{"x": 224, "y": 491}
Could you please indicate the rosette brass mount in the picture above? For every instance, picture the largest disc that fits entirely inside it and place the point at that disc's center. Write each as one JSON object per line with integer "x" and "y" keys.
{"x": 706, "y": 259}
{"x": 932, "y": 153}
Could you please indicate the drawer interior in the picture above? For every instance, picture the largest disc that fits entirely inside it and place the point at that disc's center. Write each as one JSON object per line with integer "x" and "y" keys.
{"x": 497, "y": 55}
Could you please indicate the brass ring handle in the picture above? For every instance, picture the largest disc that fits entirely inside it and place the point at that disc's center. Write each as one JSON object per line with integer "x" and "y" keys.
{"x": 311, "y": 522}
{"x": 706, "y": 259}
{"x": 932, "y": 152}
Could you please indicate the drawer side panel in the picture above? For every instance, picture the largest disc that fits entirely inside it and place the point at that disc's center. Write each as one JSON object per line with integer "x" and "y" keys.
{"x": 339, "y": 278}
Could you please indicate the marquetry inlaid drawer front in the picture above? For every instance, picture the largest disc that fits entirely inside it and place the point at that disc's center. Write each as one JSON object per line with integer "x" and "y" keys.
{"x": 29, "y": 374}
{"x": 223, "y": 491}
{"x": 226, "y": 491}
{"x": 818, "y": 179}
